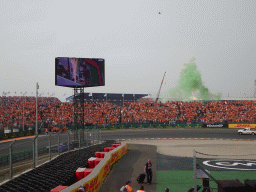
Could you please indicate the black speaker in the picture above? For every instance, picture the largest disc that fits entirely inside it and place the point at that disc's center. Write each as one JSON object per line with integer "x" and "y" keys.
{"x": 205, "y": 182}
{"x": 251, "y": 185}
{"x": 231, "y": 186}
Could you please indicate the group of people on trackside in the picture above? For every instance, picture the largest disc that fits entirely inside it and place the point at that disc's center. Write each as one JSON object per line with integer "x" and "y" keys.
{"x": 148, "y": 172}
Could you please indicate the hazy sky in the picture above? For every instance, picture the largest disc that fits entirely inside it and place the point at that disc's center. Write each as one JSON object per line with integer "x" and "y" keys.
{"x": 137, "y": 43}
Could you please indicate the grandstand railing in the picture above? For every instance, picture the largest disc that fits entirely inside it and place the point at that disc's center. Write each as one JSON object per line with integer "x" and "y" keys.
{"x": 20, "y": 155}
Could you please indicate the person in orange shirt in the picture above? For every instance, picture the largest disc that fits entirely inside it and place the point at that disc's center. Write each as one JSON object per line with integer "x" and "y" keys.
{"x": 128, "y": 186}
{"x": 46, "y": 131}
{"x": 141, "y": 189}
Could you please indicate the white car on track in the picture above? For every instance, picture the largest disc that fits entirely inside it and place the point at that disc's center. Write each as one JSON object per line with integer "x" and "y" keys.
{"x": 247, "y": 131}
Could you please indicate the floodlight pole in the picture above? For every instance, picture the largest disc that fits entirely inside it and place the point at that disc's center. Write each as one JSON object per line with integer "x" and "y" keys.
{"x": 36, "y": 146}
{"x": 23, "y": 115}
{"x": 23, "y": 110}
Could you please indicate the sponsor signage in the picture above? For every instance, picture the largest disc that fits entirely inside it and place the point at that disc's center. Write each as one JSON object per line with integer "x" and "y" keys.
{"x": 220, "y": 125}
{"x": 243, "y": 165}
{"x": 241, "y": 125}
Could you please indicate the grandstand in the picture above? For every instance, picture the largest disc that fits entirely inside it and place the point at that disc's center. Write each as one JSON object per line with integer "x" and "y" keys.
{"x": 135, "y": 109}
{"x": 115, "y": 109}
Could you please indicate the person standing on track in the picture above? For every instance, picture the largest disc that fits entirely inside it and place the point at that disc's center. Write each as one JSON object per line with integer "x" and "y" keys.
{"x": 46, "y": 131}
{"x": 148, "y": 171}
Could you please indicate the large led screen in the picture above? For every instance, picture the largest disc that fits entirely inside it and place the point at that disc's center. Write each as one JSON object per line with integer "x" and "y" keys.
{"x": 79, "y": 72}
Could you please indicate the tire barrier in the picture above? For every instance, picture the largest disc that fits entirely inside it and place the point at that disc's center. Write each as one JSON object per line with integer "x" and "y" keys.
{"x": 59, "y": 171}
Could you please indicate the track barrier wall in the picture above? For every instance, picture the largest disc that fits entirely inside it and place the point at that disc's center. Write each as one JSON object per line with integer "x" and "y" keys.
{"x": 93, "y": 181}
{"x": 16, "y": 133}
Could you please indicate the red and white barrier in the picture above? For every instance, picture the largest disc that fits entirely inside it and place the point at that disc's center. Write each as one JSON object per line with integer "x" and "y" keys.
{"x": 91, "y": 162}
{"x": 80, "y": 174}
{"x": 87, "y": 172}
{"x": 107, "y": 149}
{"x": 97, "y": 160}
{"x": 102, "y": 154}
{"x": 93, "y": 177}
{"x": 97, "y": 154}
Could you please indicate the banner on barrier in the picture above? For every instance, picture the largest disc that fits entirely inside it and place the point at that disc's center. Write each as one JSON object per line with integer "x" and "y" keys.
{"x": 241, "y": 125}
{"x": 93, "y": 185}
{"x": 219, "y": 125}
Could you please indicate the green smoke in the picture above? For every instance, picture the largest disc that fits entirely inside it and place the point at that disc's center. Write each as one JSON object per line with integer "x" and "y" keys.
{"x": 190, "y": 85}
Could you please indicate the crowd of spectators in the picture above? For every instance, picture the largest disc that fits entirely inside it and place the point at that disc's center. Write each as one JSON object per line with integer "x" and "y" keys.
{"x": 52, "y": 111}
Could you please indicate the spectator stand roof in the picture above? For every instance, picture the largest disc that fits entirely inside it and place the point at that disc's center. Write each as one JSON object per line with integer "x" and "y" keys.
{"x": 110, "y": 97}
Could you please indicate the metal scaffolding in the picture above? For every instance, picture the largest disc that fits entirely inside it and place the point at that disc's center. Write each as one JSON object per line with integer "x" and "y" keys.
{"x": 78, "y": 110}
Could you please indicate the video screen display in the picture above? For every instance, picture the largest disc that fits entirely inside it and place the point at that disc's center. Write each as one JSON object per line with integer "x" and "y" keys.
{"x": 79, "y": 72}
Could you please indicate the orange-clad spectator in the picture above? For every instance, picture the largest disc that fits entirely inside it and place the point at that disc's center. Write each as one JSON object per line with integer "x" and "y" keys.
{"x": 128, "y": 186}
{"x": 46, "y": 131}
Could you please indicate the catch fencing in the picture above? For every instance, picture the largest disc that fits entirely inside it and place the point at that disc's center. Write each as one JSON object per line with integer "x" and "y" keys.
{"x": 19, "y": 155}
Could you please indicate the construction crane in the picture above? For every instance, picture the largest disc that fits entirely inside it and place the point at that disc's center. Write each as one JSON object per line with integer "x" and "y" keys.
{"x": 157, "y": 97}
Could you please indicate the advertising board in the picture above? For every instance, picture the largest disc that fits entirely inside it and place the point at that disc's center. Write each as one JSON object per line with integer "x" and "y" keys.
{"x": 240, "y": 126}
{"x": 219, "y": 125}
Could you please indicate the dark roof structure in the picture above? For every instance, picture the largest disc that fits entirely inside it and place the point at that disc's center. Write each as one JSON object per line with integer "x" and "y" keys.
{"x": 110, "y": 97}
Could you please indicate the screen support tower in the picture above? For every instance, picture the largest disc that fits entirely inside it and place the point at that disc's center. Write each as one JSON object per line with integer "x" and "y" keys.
{"x": 78, "y": 112}
{"x": 255, "y": 89}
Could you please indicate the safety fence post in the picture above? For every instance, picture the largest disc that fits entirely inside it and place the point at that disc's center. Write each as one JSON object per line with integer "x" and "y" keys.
{"x": 79, "y": 139}
{"x": 58, "y": 143}
{"x": 86, "y": 137}
{"x": 92, "y": 136}
{"x": 100, "y": 135}
{"x": 83, "y": 137}
{"x": 10, "y": 154}
{"x": 69, "y": 141}
{"x": 50, "y": 147}
{"x": 34, "y": 152}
